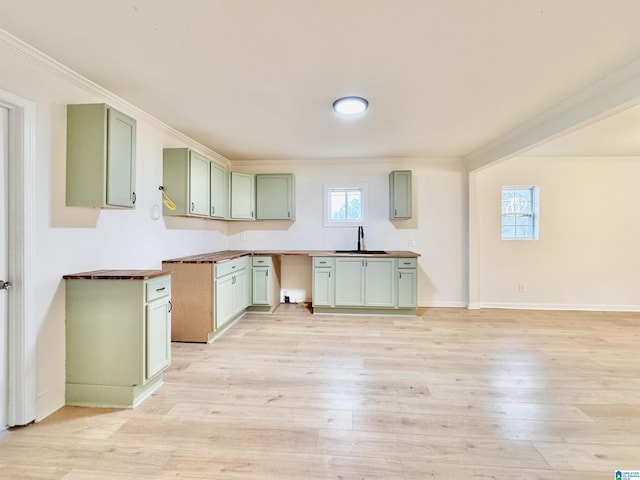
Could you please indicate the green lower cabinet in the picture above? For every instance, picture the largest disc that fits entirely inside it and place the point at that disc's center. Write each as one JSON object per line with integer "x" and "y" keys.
{"x": 231, "y": 293}
{"x": 366, "y": 282}
{"x": 353, "y": 284}
{"x": 118, "y": 339}
{"x": 322, "y": 282}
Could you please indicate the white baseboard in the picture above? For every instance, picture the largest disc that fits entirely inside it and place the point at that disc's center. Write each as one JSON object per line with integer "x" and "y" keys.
{"x": 557, "y": 306}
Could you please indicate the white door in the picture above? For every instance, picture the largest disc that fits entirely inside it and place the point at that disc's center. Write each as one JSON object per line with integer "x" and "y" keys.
{"x": 4, "y": 364}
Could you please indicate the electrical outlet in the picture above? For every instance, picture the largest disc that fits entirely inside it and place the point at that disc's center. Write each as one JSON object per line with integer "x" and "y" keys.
{"x": 412, "y": 242}
{"x": 520, "y": 288}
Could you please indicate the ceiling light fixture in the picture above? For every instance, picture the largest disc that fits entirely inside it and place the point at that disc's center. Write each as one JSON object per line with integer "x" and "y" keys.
{"x": 350, "y": 105}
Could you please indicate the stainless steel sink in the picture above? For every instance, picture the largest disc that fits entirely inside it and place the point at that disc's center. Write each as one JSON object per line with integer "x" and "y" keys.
{"x": 362, "y": 252}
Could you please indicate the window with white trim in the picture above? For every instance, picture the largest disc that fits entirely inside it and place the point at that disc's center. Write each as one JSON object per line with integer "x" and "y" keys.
{"x": 520, "y": 213}
{"x": 345, "y": 205}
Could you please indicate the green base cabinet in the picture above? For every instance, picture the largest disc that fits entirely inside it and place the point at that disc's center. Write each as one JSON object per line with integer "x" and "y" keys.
{"x": 101, "y": 157}
{"x": 407, "y": 283}
{"x": 400, "y": 194}
{"x": 322, "y": 282}
{"x": 365, "y": 282}
{"x": 265, "y": 283}
{"x": 118, "y": 339}
{"x": 231, "y": 293}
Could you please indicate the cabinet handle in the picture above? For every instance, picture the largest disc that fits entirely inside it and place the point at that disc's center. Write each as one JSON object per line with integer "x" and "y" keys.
{"x": 267, "y": 273}
{"x": 395, "y": 212}
{"x": 170, "y": 306}
{"x": 133, "y": 194}
{"x": 213, "y": 209}
{"x": 323, "y": 263}
{"x": 160, "y": 289}
{"x": 289, "y": 214}
{"x": 193, "y": 206}
{"x": 400, "y": 274}
{"x": 233, "y": 266}
{"x": 329, "y": 273}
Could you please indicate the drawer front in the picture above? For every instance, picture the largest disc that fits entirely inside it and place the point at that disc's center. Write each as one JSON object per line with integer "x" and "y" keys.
{"x": 158, "y": 288}
{"x": 326, "y": 262}
{"x": 261, "y": 261}
{"x": 230, "y": 266}
{"x": 407, "y": 262}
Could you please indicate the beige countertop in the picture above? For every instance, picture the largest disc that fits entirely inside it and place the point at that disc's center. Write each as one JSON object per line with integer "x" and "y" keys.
{"x": 221, "y": 256}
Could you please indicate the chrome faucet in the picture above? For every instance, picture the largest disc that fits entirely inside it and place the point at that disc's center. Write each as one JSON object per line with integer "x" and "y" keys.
{"x": 360, "y": 238}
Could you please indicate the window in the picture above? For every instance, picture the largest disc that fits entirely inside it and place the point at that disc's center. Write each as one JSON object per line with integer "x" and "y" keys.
{"x": 519, "y": 213}
{"x": 345, "y": 205}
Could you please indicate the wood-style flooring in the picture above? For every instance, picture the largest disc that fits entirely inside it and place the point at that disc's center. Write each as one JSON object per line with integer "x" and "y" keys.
{"x": 450, "y": 394}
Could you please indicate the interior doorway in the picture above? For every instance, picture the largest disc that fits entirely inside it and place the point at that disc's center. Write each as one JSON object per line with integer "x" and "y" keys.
{"x": 4, "y": 269}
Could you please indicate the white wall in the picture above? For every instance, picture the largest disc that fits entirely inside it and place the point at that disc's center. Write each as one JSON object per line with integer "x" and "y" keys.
{"x": 438, "y": 226}
{"x": 587, "y": 256}
{"x": 75, "y": 239}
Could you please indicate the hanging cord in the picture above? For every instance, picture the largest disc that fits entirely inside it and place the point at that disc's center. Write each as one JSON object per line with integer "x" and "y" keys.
{"x": 166, "y": 200}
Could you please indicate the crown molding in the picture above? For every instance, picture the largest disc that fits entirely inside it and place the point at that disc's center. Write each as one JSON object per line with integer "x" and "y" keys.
{"x": 52, "y": 66}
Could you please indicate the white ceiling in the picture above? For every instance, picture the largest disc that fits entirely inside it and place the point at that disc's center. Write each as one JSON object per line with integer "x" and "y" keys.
{"x": 255, "y": 79}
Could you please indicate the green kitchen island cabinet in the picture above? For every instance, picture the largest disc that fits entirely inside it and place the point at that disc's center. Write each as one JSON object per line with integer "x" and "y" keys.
{"x": 101, "y": 157}
{"x": 118, "y": 336}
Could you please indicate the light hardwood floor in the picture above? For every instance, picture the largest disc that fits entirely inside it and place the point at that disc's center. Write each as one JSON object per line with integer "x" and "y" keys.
{"x": 449, "y": 394}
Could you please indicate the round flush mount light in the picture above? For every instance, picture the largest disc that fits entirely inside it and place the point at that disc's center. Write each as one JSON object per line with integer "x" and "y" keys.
{"x": 350, "y": 105}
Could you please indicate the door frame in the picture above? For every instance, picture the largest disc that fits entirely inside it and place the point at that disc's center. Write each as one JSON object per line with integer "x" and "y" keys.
{"x": 21, "y": 337}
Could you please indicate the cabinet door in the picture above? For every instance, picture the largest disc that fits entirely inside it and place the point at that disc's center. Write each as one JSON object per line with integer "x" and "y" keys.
{"x": 198, "y": 185}
{"x": 240, "y": 296}
{"x": 242, "y": 196}
{"x": 380, "y": 282}
{"x": 274, "y": 197}
{"x": 349, "y": 281}
{"x": 121, "y": 159}
{"x": 407, "y": 288}
{"x": 400, "y": 195}
{"x": 219, "y": 191}
{"x": 261, "y": 286}
{"x": 223, "y": 300}
{"x": 158, "y": 336}
{"x": 322, "y": 287}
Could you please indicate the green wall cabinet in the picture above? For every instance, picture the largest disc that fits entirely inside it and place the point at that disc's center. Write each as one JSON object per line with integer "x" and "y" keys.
{"x": 186, "y": 181}
{"x": 243, "y": 196}
{"x": 219, "y": 193}
{"x": 101, "y": 157}
{"x": 118, "y": 338}
{"x": 275, "y": 196}
{"x": 400, "y": 195}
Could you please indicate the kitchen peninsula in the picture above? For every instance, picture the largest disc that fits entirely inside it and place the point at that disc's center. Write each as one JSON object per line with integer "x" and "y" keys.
{"x": 212, "y": 291}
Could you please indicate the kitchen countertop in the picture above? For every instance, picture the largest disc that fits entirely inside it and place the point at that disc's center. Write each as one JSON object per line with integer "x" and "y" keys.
{"x": 224, "y": 255}
{"x": 117, "y": 275}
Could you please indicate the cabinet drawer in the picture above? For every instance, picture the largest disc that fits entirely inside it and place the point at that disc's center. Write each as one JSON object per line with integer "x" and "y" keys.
{"x": 261, "y": 261}
{"x": 407, "y": 262}
{"x": 157, "y": 288}
{"x": 326, "y": 262}
{"x": 230, "y": 266}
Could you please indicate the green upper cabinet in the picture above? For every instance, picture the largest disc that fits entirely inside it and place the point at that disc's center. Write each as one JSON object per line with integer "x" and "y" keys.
{"x": 400, "y": 195}
{"x": 101, "y": 157}
{"x": 186, "y": 177}
{"x": 275, "y": 196}
{"x": 243, "y": 197}
{"x": 219, "y": 194}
